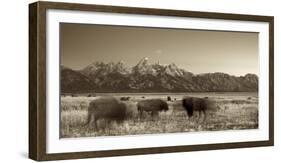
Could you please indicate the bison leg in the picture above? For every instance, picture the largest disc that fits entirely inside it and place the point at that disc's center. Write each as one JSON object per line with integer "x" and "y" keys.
{"x": 202, "y": 113}
{"x": 154, "y": 114}
{"x": 205, "y": 115}
{"x": 140, "y": 114}
{"x": 92, "y": 120}
{"x": 88, "y": 123}
{"x": 199, "y": 116}
{"x": 96, "y": 125}
{"x": 106, "y": 126}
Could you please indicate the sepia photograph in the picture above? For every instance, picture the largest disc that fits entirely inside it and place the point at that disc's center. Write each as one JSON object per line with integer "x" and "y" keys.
{"x": 128, "y": 80}
{"x": 117, "y": 80}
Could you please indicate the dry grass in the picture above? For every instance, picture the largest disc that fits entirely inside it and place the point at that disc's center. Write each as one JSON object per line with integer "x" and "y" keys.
{"x": 227, "y": 114}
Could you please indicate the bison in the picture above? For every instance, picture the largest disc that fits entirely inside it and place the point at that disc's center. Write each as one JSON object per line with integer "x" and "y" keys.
{"x": 106, "y": 108}
{"x": 152, "y": 105}
{"x": 169, "y": 98}
{"x": 124, "y": 98}
{"x": 192, "y": 104}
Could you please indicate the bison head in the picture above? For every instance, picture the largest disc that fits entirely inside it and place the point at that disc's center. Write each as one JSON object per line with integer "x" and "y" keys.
{"x": 187, "y": 103}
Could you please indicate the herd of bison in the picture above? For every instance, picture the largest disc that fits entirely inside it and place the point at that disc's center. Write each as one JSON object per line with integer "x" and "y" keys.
{"x": 111, "y": 109}
{"x": 113, "y": 115}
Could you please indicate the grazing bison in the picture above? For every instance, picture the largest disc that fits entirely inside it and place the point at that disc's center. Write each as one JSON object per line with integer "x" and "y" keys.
{"x": 192, "y": 104}
{"x": 106, "y": 108}
{"x": 152, "y": 105}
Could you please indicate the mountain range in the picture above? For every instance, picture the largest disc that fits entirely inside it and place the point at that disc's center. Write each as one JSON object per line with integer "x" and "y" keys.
{"x": 146, "y": 77}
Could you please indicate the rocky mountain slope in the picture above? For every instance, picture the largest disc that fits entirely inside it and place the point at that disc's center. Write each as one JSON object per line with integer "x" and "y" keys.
{"x": 146, "y": 77}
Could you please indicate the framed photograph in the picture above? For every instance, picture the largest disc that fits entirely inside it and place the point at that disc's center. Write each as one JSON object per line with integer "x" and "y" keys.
{"x": 112, "y": 81}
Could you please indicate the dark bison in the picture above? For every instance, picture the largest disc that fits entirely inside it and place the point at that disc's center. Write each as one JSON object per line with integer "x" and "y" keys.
{"x": 192, "y": 104}
{"x": 106, "y": 108}
{"x": 124, "y": 98}
{"x": 91, "y": 95}
{"x": 169, "y": 98}
{"x": 152, "y": 106}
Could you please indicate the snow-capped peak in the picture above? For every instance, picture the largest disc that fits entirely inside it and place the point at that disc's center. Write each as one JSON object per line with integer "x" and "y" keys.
{"x": 142, "y": 62}
{"x": 143, "y": 67}
{"x": 173, "y": 70}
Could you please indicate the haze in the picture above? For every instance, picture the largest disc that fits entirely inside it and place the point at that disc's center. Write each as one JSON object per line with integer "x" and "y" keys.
{"x": 197, "y": 51}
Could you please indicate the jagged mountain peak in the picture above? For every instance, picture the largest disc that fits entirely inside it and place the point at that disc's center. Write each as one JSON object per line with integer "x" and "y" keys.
{"x": 143, "y": 61}
{"x": 173, "y": 70}
{"x": 121, "y": 68}
{"x": 146, "y": 77}
{"x": 143, "y": 67}
{"x": 100, "y": 68}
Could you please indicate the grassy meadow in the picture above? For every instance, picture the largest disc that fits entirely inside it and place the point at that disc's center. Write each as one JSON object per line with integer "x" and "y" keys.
{"x": 229, "y": 111}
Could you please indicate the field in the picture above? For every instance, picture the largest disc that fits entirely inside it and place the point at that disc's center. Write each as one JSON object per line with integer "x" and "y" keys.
{"x": 229, "y": 111}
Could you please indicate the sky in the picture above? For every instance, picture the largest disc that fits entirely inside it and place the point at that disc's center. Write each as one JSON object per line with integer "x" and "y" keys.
{"x": 197, "y": 51}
